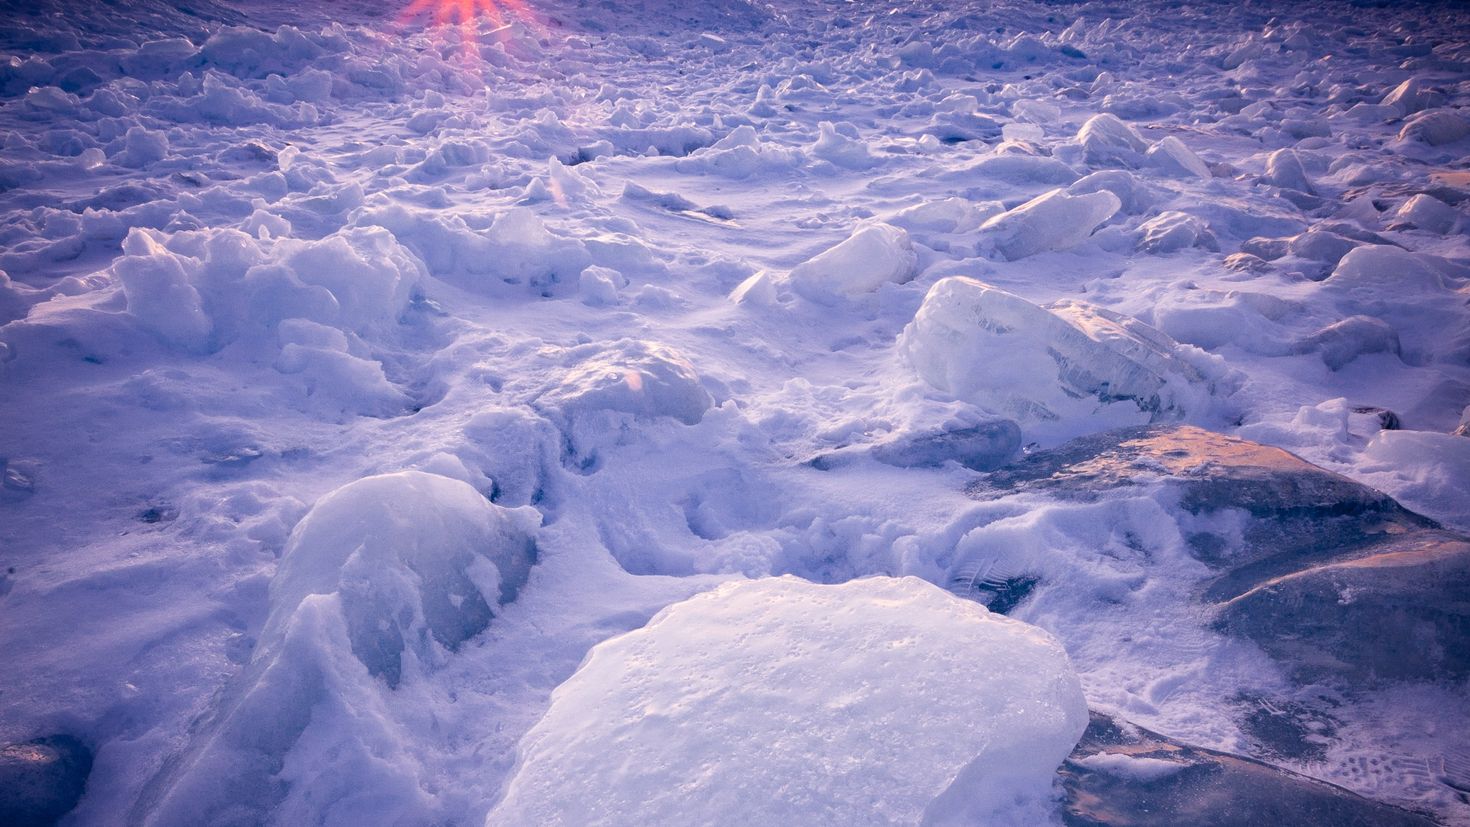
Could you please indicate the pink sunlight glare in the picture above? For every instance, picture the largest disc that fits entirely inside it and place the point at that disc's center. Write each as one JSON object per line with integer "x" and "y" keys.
{"x": 466, "y": 15}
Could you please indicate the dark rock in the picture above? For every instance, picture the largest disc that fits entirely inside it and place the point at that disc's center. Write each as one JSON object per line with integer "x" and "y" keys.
{"x": 42, "y": 780}
{"x": 1332, "y": 578}
{"x": 1400, "y": 612}
{"x": 1120, "y": 776}
{"x": 1383, "y": 418}
{"x": 991, "y": 585}
{"x": 159, "y": 514}
{"x": 1282, "y": 729}
{"x": 1296, "y": 513}
{"x": 982, "y": 447}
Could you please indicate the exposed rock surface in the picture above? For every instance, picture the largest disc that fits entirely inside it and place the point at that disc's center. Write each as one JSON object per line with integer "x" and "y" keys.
{"x": 1121, "y": 775}
{"x": 41, "y": 780}
{"x": 1329, "y": 576}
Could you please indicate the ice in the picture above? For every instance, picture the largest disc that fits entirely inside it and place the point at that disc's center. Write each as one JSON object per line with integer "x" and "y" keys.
{"x": 1171, "y": 232}
{"x": 1131, "y": 767}
{"x": 657, "y": 272}
{"x": 380, "y": 582}
{"x": 947, "y": 215}
{"x": 1134, "y": 196}
{"x": 1284, "y": 169}
{"x": 874, "y": 255}
{"x": 1411, "y": 96}
{"x": 1173, "y": 158}
{"x": 979, "y": 712}
{"x": 160, "y": 293}
{"x": 1435, "y": 127}
{"x": 599, "y": 285}
{"x": 1374, "y": 272}
{"x": 1070, "y": 363}
{"x": 1427, "y": 471}
{"x": 1106, "y": 140}
{"x": 141, "y": 147}
{"x": 1053, "y": 221}
{"x": 758, "y": 290}
{"x": 1425, "y": 212}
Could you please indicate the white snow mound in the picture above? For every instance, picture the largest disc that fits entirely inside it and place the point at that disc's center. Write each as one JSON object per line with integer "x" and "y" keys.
{"x": 629, "y": 376}
{"x": 416, "y": 557}
{"x": 780, "y": 701}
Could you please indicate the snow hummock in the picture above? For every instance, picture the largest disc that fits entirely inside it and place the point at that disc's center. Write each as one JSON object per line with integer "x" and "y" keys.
{"x": 628, "y": 376}
{"x": 755, "y": 703}
{"x": 418, "y": 559}
{"x": 380, "y": 583}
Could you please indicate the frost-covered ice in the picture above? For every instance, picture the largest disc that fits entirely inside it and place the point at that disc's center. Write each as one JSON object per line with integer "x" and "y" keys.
{"x": 759, "y": 703}
{"x": 359, "y": 375}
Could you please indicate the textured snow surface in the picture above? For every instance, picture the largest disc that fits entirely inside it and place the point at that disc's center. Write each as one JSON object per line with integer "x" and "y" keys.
{"x": 360, "y": 373}
{"x": 783, "y": 701}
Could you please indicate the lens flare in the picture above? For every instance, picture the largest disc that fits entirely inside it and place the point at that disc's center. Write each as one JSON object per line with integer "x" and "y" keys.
{"x": 467, "y": 15}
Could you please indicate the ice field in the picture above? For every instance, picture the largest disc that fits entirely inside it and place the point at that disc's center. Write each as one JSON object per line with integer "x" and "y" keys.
{"x": 796, "y": 412}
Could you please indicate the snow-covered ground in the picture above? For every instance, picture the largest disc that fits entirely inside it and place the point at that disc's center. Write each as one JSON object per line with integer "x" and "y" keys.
{"x": 618, "y": 302}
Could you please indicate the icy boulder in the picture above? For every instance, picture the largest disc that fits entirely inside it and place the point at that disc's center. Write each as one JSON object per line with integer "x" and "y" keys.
{"x": 1173, "y": 158}
{"x": 1105, "y": 139}
{"x": 421, "y": 562}
{"x": 1172, "y": 231}
{"x": 1382, "y": 273}
{"x": 874, "y": 255}
{"x": 779, "y": 701}
{"x": 1134, "y": 195}
{"x": 1435, "y": 127}
{"x": 1037, "y": 364}
{"x": 632, "y": 377}
{"x": 1053, "y": 221}
{"x": 1411, "y": 96}
{"x": 1425, "y": 212}
{"x": 203, "y": 289}
{"x": 1341, "y": 342}
{"x": 1284, "y": 169}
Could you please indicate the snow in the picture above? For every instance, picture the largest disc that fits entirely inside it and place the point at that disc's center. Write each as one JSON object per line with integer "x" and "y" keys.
{"x": 988, "y": 708}
{"x": 1139, "y": 768}
{"x": 311, "y": 317}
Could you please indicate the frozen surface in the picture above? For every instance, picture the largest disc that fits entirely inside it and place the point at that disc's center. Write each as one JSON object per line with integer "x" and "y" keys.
{"x": 316, "y": 318}
{"x": 756, "y": 703}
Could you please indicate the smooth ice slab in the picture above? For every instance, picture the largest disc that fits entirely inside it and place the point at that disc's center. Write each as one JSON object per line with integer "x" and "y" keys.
{"x": 1054, "y": 221}
{"x": 779, "y": 701}
{"x": 1038, "y": 364}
